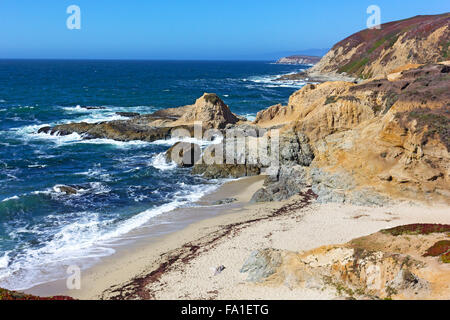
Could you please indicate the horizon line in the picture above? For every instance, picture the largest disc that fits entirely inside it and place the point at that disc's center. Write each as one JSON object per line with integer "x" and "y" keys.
{"x": 133, "y": 59}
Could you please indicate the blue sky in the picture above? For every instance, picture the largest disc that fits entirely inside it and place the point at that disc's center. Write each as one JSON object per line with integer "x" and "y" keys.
{"x": 189, "y": 29}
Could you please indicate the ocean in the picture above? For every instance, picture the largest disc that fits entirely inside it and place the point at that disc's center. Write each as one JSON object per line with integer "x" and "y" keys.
{"x": 123, "y": 184}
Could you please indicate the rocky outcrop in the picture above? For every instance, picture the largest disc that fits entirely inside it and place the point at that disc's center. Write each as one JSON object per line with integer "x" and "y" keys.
{"x": 378, "y": 266}
{"x": 261, "y": 264}
{"x": 299, "y": 59}
{"x": 390, "y": 136}
{"x": 352, "y": 142}
{"x": 218, "y": 171}
{"x": 184, "y": 154}
{"x": 337, "y": 187}
{"x": 128, "y": 114}
{"x": 121, "y": 130}
{"x": 209, "y": 109}
{"x": 251, "y": 155}
{"x": 376, "y": 52}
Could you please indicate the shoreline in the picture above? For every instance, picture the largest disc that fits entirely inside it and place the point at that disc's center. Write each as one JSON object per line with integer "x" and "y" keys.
{"x": 180, "y": 265}
{"x": 240, "y": 189}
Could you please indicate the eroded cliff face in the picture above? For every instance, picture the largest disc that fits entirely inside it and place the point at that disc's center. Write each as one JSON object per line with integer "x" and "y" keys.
{"x": 373, "y": 53}
{"x": 406, "y": 262}
{"x": 391, "y": 136}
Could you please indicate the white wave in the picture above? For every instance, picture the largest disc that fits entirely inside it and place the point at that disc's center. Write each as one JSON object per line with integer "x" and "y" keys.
{"x": 82, "y": 243}
{"x": 97, "y": 173}
{"x": 10, "y": 198}
{"x": 13, "y": 177}
{"x": 4, "y": 260}
{"x": 37, "y": 166}
{"x": 270, "y": 81}
{"x": 2, "y": 110}
{"x": 160, "y": 163}
{"x": 106, "y": 113}
{"x": 202, "y": 143}
{"x": 249, "y": 116}
{"x": 120, "y": 144}
{"x": 77, "y": 108}
{"x": 29, "y": 133}
{"x": 100, "y": 117}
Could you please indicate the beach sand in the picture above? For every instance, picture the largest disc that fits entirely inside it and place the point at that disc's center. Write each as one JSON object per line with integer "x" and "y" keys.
{"x": 181, "y": 264}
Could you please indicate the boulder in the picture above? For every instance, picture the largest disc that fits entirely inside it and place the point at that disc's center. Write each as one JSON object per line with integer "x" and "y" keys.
{"x": 291, "y": 181}
{"x": 261, "y": 264}
{"x": 184, "y": 154}
{"x": 218, "y": 171}
{"x": 224, "y": 201}
{"x": 120, "y": 130}
{"x": 128, "y": 114}
{"x": 210, "y": 110}
{"x": 45, "y": 130}
{"x": 68, "y": 190}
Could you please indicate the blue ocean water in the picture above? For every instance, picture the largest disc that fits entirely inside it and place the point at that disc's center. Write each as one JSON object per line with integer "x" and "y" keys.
{"x": 124, "y": 185}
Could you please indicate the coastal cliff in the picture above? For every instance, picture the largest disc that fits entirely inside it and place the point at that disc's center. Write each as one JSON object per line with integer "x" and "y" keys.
{"x": 385, "y": 137}
{"x": 376, "y": 52}
{"x": 299, "y": 59}
{"x": 389, "y": 135}
{"x": 378, "y": 141}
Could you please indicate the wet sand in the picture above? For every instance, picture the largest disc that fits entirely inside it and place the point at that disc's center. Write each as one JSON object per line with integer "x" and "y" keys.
{"x": 181, "y": 264}
{"x": 154, "y": 234}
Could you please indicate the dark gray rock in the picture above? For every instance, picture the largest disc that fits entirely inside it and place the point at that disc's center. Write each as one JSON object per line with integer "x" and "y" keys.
{"x": 225, "y": 201}
{"x": 218, "y": 171}
{"x": 406, "y": 280}
{"x": 291, "y": 181}
{"x": 295, "y": 149}
{"x": 261, "y": 264}
{"x": 45, "y": 130}
{"x": 128, "y": 114}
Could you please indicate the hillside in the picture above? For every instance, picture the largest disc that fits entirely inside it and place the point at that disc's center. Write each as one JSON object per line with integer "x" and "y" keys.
{"x": 299, "y": 59}
{"x": 372, "y": 53}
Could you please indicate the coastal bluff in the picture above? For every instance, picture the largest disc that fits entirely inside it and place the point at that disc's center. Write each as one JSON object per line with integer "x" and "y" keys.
{"x": 364, "y": 142}
{"x": 377, "y": 52}
{"x": 355, "y": 207}
{"x": 298, "y": 59}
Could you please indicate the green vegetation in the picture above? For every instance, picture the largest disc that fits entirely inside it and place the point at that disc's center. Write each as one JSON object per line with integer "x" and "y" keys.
{"x": 391, "y": 99}
{"x": 415, "y": 229}
{"x": 445, "y": 258}
{"x": 376, "y": 45}
{"x": 390, "y": 292}
{"x": 14, "y": 295}
{"x": 436, "y": 121}
{"x": 333, "y": 99}
{"x": 392, "y": 38}
{"x": 354, "y": 66}
{"x": 445, "y": 53}
{"x": 330, "y": 99}
{"x": 341, "y": 288}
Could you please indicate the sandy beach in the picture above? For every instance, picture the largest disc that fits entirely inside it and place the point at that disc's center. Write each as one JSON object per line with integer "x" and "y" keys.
{"x": 181, "y": 265}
